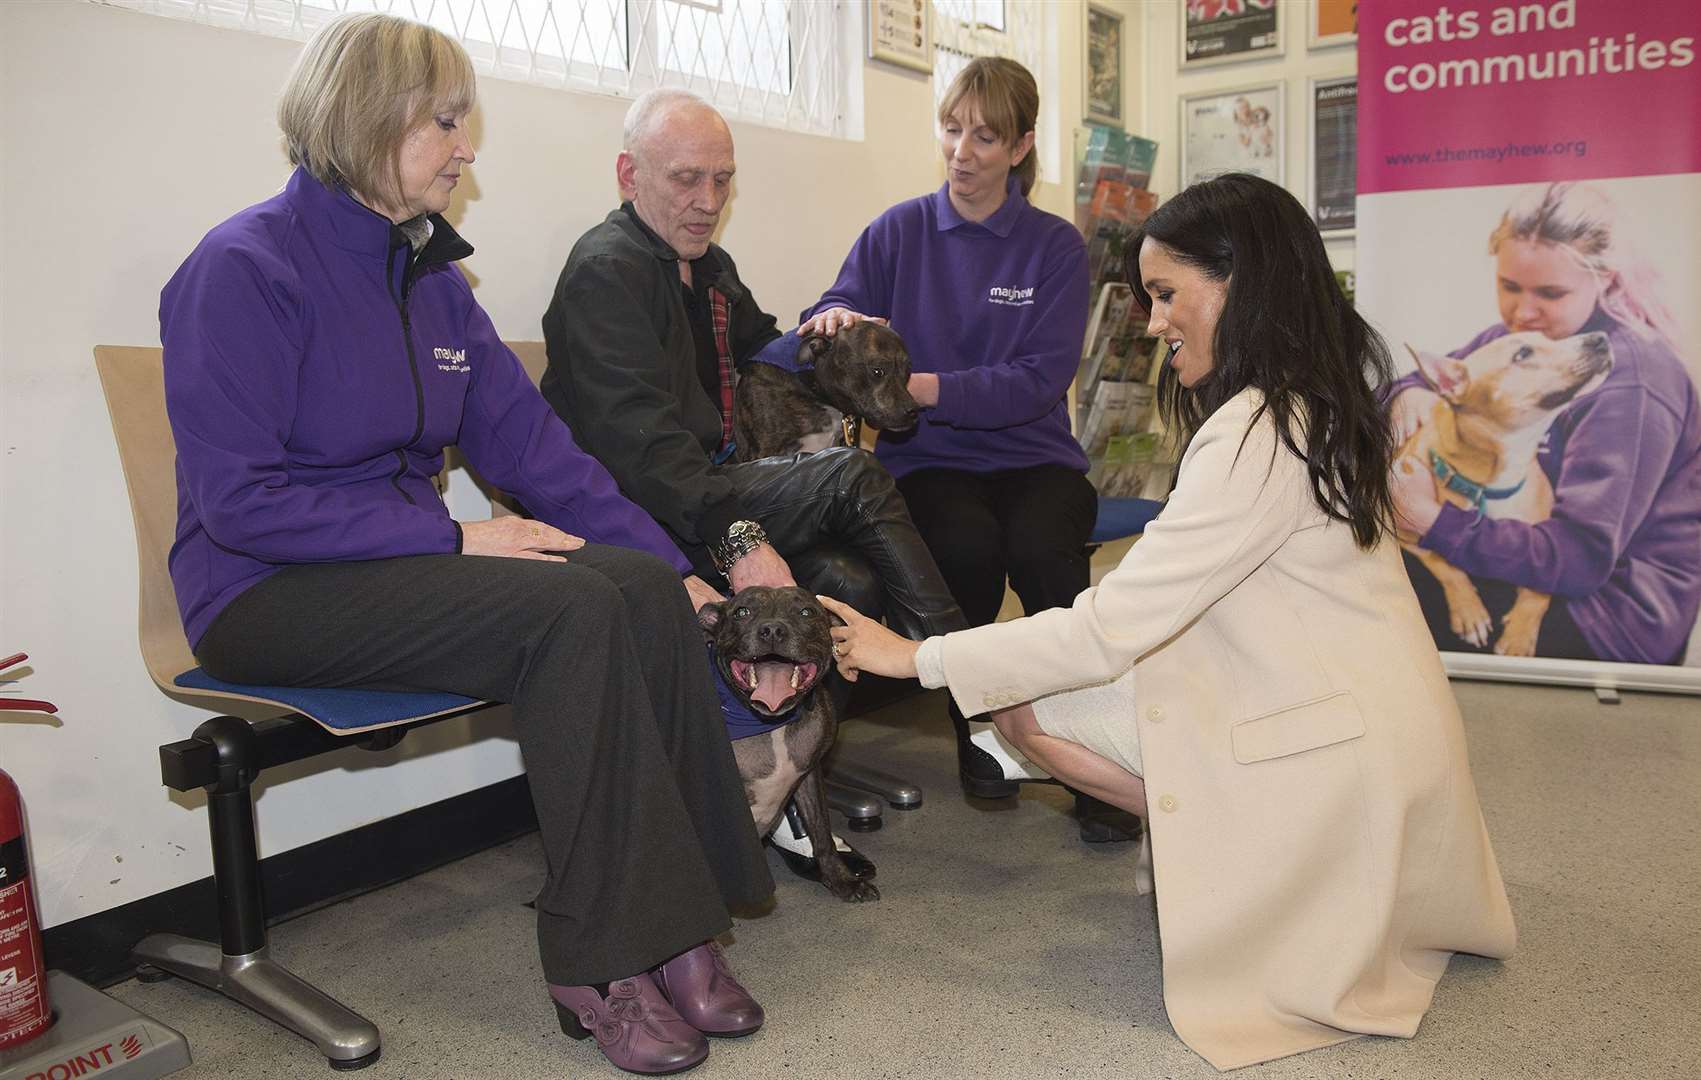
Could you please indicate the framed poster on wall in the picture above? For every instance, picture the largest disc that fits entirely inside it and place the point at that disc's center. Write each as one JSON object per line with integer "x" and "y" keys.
{"x": 1225, "y": 31}
{"x": 1102, "y": 90}
{"x": 1330, "y": 23}
{"x": 1332, "y": 147}
{"x": 901, "y": 32}
{"x": 1237, "y": 130}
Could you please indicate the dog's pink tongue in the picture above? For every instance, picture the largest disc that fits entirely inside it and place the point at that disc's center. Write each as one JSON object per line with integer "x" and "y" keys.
{"x": 773, "y": 684}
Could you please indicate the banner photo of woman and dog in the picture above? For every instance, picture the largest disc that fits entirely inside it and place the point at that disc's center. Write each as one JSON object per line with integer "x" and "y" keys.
{"x": 1529, "y": 214}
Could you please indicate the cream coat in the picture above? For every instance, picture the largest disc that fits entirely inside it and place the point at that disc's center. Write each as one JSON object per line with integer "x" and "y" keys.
{"x": 1315, "y": 839}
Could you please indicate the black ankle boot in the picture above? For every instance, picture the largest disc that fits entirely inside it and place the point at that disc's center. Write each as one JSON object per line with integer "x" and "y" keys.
{"x": 1102, "y": 823}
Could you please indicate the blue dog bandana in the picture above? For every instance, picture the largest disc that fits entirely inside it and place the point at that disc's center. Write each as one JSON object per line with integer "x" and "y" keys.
{"x": 783, "y": 352}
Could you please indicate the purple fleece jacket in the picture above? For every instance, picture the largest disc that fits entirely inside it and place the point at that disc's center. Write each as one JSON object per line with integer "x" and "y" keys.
{"x": 997, "y": 309}
{"x": 1624, "y": 543}
{"x": 313, "y": 378}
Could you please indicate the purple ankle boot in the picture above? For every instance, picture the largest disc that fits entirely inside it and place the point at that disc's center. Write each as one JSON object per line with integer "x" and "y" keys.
{"x": 635, "y": 1027}
{"x": 700, "y": 984}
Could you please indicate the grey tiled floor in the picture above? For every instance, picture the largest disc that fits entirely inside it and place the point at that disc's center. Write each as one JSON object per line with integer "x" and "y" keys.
{"x": 1003, "y": 947}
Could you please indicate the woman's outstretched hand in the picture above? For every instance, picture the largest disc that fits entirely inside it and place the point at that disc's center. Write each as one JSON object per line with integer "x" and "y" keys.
{"x": 865, "y": 645}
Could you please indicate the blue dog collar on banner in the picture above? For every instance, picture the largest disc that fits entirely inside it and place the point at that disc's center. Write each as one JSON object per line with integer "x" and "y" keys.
{"x": 741, "y": 720}
{"x": 1453, "y": 480}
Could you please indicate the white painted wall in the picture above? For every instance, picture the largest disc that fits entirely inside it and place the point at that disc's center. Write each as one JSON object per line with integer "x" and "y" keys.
{"x": 123, "y": 138}
{"x": 1159, "y": 115}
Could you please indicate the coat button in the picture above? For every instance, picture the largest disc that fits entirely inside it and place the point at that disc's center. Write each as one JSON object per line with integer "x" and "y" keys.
{"x": 1168, "y": 804}
{"x": 989, "y": 701}
{"x": 1155, "y": 714}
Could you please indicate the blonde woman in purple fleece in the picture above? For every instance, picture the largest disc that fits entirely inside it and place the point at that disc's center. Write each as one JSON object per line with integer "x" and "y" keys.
{"x": 321, "y": 349}
{"x": 1621, "y": 553}
{"x": 990, "y": 295}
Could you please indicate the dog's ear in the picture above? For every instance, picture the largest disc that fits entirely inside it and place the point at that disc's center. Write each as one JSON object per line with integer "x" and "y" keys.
{"x": 833, "y": 619}
{"x": 814, "y": 347}
{"x": 709, "y": 616}
{"x": 1447, "y": 375}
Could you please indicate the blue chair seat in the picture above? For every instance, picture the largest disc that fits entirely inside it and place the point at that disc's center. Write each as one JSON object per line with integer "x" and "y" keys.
{"x": 337, "y": 708}
{"x": 1123, "y": 517}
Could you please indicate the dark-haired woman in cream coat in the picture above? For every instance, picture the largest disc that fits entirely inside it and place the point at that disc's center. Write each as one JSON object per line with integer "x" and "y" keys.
{"x": 1256, "y": 678}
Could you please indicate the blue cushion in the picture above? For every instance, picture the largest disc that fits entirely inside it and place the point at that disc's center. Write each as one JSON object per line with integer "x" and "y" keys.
{"x": 336, "y": 708}
{"x": 1123, "y": 517}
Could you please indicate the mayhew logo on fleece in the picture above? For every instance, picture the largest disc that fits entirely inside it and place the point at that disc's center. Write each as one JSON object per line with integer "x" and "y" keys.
{"x": 1010, "y": 297}
{"x": 451, "y": 360}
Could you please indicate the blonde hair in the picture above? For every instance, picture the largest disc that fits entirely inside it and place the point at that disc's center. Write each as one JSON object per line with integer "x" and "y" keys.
{"x": 1582, "y": 220}
{"x": 1008, "y": 99}
{"x": 359, "y": 88}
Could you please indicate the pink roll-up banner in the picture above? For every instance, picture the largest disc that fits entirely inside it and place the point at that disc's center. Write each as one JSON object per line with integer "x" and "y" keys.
{"x": 1529, "y": 216}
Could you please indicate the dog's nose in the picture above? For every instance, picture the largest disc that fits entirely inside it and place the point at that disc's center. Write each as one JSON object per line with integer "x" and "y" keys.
{"x": 773, "y": 631}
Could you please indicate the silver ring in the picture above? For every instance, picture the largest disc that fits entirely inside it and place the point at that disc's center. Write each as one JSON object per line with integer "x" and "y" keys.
{"x": 836, "y": 649}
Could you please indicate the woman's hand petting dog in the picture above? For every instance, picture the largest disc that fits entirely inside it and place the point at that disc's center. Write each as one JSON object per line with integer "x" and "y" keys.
{"x": 517, "y": 538}
{"x": 833, "y": 320}
{"x": 865, "y": 645}
{"x": 701, "y": 592}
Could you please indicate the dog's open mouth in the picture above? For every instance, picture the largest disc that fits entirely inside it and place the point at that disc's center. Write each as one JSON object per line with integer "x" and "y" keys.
{"x": 774, "y": 682}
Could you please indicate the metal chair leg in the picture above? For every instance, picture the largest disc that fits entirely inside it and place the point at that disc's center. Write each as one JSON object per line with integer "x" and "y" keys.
{"x": 861, "y": 810}
{"x": 241, "y": 966}
{"x": 898, "y": 792}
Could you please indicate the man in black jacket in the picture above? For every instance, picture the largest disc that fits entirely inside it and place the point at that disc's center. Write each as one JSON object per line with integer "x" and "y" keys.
{"x": 648, "y": 324}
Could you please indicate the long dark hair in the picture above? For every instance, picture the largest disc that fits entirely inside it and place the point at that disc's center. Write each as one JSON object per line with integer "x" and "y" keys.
{"x": 1287, "y": 330}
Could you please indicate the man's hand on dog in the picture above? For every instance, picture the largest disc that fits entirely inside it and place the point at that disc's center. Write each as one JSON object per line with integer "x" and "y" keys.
{"x": 1416, "y": 506}
{"x": 701, "y": 592}
{"x": 517, "y": 538}
{"x": 833, "y": 320}
{"x": 763, "y": 566}
{"x": 863, "y": 644}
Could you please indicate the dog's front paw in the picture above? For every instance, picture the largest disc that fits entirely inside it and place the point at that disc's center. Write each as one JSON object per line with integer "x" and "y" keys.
{"x": 1519, "y": 638}
{"x": 1468, "y": 618}
{"x": 846, "y": 886}
{"x": 856, "y": 892}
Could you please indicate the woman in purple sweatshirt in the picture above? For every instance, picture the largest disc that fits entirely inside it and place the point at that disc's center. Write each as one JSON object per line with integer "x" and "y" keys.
{"x": 321, "y": 350}
{"x": 990, "y": 296}
{"x": 1621, "y": 553}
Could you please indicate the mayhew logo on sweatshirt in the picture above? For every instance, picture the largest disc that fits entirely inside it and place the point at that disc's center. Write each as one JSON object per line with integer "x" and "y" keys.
{"x": 1010, "y": 297}
{"x": 454, "y": 360}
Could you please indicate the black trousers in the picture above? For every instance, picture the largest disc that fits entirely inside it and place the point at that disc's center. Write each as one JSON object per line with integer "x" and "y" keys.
{"x": 837, "y": 517}
{"x": 1029, "y": 527}
{"x": 647, "y": 836}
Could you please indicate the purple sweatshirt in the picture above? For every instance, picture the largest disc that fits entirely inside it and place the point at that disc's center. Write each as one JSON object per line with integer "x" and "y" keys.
{"x": 996, "y": 309}
{"x": 313, "y": 377}
{"x": 1624, "y": 543}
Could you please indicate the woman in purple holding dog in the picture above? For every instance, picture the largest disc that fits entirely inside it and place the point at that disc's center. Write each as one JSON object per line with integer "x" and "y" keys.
{"x": 990, "y": 295}
{"x": 1621, "y": 553}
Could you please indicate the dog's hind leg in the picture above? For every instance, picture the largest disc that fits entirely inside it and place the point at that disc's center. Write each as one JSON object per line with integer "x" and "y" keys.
{"x": 1523, "y": 624}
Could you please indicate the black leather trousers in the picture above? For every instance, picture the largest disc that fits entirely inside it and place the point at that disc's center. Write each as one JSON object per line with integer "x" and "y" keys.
{"x": 838, "y": 520}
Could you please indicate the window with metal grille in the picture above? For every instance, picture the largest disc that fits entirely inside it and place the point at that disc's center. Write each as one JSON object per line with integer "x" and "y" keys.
{"x": 965, "y": 29}
{"x": 774, "y": 62}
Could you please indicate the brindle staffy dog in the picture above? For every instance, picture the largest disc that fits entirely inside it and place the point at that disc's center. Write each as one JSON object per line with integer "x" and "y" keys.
{"x": 860, "y": 373}
{"x": 774, "y": 648}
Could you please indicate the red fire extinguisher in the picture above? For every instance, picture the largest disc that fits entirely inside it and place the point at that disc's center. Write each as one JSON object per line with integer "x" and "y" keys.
{"x": 24, "y": 1011}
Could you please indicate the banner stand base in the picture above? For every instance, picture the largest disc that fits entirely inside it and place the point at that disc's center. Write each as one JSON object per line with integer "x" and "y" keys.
{"x": 94, "y": 1035}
